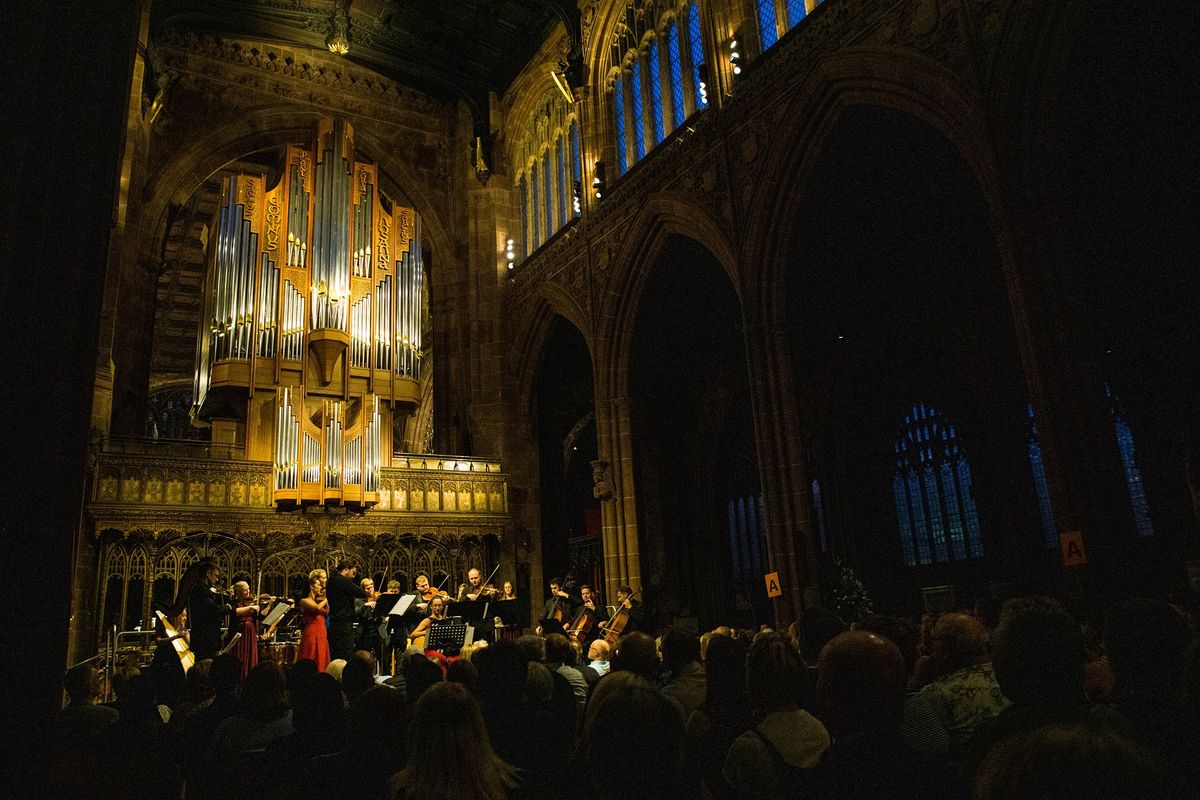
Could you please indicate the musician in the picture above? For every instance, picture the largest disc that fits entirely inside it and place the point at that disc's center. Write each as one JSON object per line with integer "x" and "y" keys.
{"x": 245, "y": 614}
{"x": 437, "y": 613}
{"x": 475, "y": 588}
{"x": 634, "y": 609}
{"x": 592, "y": 606}
{"x": 207, "y": 612}
{"x": 368, "y": 638}
{"x": 342, "y": 591}
{"x": 508, "y": 591}
{"x": 559, "y": 598}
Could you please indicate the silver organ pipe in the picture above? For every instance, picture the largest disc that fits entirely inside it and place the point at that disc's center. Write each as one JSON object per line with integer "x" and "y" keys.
{"x": 314, "y": 288}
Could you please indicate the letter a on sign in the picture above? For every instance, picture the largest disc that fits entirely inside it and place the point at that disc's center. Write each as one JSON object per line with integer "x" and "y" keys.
{"x": 773, "y": 587}
{"x": 1073, "y": 554}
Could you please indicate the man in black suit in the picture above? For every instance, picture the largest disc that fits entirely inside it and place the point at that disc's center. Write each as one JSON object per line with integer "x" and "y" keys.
{"x": 342, "y": 592}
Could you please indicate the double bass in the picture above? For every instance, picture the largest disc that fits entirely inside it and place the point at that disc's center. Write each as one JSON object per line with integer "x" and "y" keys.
{"x": 617, "y": 622}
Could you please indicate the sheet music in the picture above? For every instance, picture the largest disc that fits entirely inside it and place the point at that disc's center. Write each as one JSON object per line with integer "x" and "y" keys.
{"x": 402, "y": 605}
{"x": 276, "y": 613}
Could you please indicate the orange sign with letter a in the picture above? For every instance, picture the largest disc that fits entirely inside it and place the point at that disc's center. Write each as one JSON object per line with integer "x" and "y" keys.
{"x": 773, "y": 587}
{"x": 1073, "y": 553}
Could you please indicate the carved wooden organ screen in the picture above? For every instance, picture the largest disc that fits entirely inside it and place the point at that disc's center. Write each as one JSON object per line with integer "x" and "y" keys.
{"x": 310, "y": 341}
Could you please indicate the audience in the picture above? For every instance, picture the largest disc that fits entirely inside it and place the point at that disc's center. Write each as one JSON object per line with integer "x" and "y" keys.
{"x": 740, "y": 713}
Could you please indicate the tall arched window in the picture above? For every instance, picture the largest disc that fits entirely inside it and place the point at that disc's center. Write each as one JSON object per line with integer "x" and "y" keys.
{"x": 770, "y": 13}
{"x": 576, "y": 161}
{"x": 535, "y": 226}
{"x": 638, "y": 117}
{"x": 656, "y": 99}
{"x": 1133, "y": 475}
{"x": 619, "y": 122}
{"x": 1045, "y": 510}
{"x": 678, "y": 112}
{"x": 932, "y": 488}
{"x": 548, "y": 178}
{"x": 526, "y": 247}
{"x": 696, "y": 48}
{"x": 561, "y": 157}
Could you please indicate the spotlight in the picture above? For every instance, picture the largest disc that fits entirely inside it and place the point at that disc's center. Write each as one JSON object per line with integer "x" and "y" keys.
{"x": 510, "y": 253}
{"x": 577, "y": 197}
{"x": 598, "y": 183}
{"x": 702, "y": 70}
{"x": 735, "y": 57}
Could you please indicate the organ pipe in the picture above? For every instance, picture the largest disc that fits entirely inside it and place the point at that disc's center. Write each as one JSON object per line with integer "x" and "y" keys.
{"x": 310, "y": 344}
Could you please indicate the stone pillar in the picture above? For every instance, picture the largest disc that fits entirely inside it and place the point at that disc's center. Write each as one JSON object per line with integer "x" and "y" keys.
{"x": 618, "y": 514}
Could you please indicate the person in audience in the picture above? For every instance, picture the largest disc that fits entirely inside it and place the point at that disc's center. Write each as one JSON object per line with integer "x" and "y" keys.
{"x": 449, "y": 752}
{"x": 920, "y": 728}
{"x": 636, "y": 653}
{"x": 358, "y": 675}
{"x": 1038, "y": 659}
{"x": 335, "y": 668}
{"x": 1147, "y": 642}
{"x": 1077, "y": 761}
{"x": 83, "y": 720}
{"x": 560, "y": 658}
{"x": 965, "y": 693}
{"x": 786, "y": 735}
{"x": 419, "y": 674}
{"x": 721, "y": 718}
{"x": 861, "y": 684}
{"x": 462, "y": 672}
{"x": 681, "y": 659}
{"x": 598, "y": 664}
{"x": 264, "y": 715}
{"x": 631, "y": 743}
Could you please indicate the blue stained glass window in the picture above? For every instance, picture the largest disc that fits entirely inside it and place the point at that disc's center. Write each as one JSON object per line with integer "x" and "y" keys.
{"x": 524, "y": 216}
{"x": 619, "y": 116}
{"x": 795, "y": 11}
{"x": 767, "y": 31}
{"x": 932, "y": 487}
{"x": 676, "y": 67}
{"x": 548, "y": 177}
{"x": 576, "y": 161}
{"x": 563, "y": 192}
{"x": 535, "y": 227}
{"x": 1133, "y": 475}
{"x": 656, "y": 101}
{"x": 819, "y": 512}
{"x": 1045, "y": 510}
{"x": 697, "y": 49}
{"x": 638, "y": 119}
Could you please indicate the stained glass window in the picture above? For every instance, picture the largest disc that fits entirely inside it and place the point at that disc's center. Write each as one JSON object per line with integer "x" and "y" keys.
{"x": 678, "y": 113}
{"x": 638, "y": 118}
{"x": 656, "y": 100}
{"x": 795, "y": 11}
{"x": 561, "y": 157}
{"x": 576, "y": 161}
{"x": 548, "y": 177}
{"x": 696, "y": 45}
{"x": 1133, "y": 475}
{"x": 766, "y": 23}
{"x": 535, "y": 228}
{"x": 1045, "y": 510}
{"x": 932, "y": 487}
{"x": 619, "y": 117}
{"x": 525, "y": 248}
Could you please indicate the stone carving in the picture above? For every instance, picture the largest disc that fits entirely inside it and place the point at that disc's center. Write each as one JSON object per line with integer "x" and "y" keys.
{"x": 601, "y": 485}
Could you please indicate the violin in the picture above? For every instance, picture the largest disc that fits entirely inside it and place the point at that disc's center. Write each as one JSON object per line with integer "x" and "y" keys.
{"x": 620, "y": 618}
{"x": 431, "y": 593}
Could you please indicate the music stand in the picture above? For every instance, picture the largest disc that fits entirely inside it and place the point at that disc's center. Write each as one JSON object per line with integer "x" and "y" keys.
{"x": 448, "y": 636}
{"x": 552, "y": 625}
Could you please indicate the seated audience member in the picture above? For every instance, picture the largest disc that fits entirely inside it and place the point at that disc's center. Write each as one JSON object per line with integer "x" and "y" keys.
{"x": 82, "y": 720}
{"x": 1080, "y": 761}
{"x": 449, "y": 752}
{"x": 419, "y": 674}
{"x": 636, "y": 653}
{"x": 920, "y": 728}
{"x": 721, "y": 718}
{"x": 1038, "y": 658}
{"x": 357, "y": 677}
{"x": 861, "y": 684}
{"x": 631, "y": 744}
{"x": 198, "y": 692}
{"x": 1147, "y": 642}
{"x": 335, "y": 668}
{"x": 598, "y": 664}
{"x": 965, "y": 693}
{"x": 561, "y": 698}
{"x": 376, "y": 727}
{"x": 462, "y": 672}
{"x": 788, "y": 737}
{"x": 263, "y": 717}
{"x": 194, "y": 733}
{"x": 560, "y": 659}
{"x": 681, "y": 659}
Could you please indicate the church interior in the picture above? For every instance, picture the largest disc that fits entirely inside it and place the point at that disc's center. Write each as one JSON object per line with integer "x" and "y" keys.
{"x": 896, "y": 302}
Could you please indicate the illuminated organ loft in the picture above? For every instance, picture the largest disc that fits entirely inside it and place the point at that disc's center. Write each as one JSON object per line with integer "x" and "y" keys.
{"x": 310, "y": 342}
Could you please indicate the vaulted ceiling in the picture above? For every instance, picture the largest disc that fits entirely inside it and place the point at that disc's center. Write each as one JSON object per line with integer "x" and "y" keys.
{"x": 446, "y": 48}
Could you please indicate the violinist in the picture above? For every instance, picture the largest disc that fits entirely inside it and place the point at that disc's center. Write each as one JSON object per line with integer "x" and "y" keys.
{"x": 476, "y": 588}
{"x": 245, "y": 611}
{"x": 207, "y": 611}
{"x": 425, "y": 592}
{"x": 367, "y": 635}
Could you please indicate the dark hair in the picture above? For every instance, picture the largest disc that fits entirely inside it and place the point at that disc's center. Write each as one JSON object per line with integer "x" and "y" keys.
{"x": 1147, "y": 643}
{"x": 679, "y": 648}
{"x": 587, "y": 586}
{"x": 558, "y": 649}
{"x": 774, "y": 672}
{"x": 343, "y": 565}
{"x": 419, "y": 674}
{"x": 625, "y": 590}
{"x": 501, "y": 672}
{"x": 1038, "y": 652}
{"x": 464, "y": 672}
{"x": 635, "y": 653}
{"x": 817, "y": 627}
{"x": 226, "y": 673}
{"x": 357, "y": 677}
{"x": 264, "y": 695}
{"x": 638, "y": 728}
{"x": 532, "y": 647}
{"x": 725, "y": 674}
{"x": 82, "y": 683}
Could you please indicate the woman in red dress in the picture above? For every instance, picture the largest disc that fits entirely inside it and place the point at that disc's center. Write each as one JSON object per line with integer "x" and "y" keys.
{"x": 245, "y": 612}
{"x": 314, "y": 640}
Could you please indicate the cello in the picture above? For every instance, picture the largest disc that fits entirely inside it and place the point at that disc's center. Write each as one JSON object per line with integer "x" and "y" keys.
{"x": 620, "y": 618}
{"x": 583, "y": 623}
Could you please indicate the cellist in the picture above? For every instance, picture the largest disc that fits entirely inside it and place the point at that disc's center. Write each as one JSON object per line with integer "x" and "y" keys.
{"x": 584, "y": 625}
{"x": 629, "y": 610}
{"x": 559, "y": 607}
